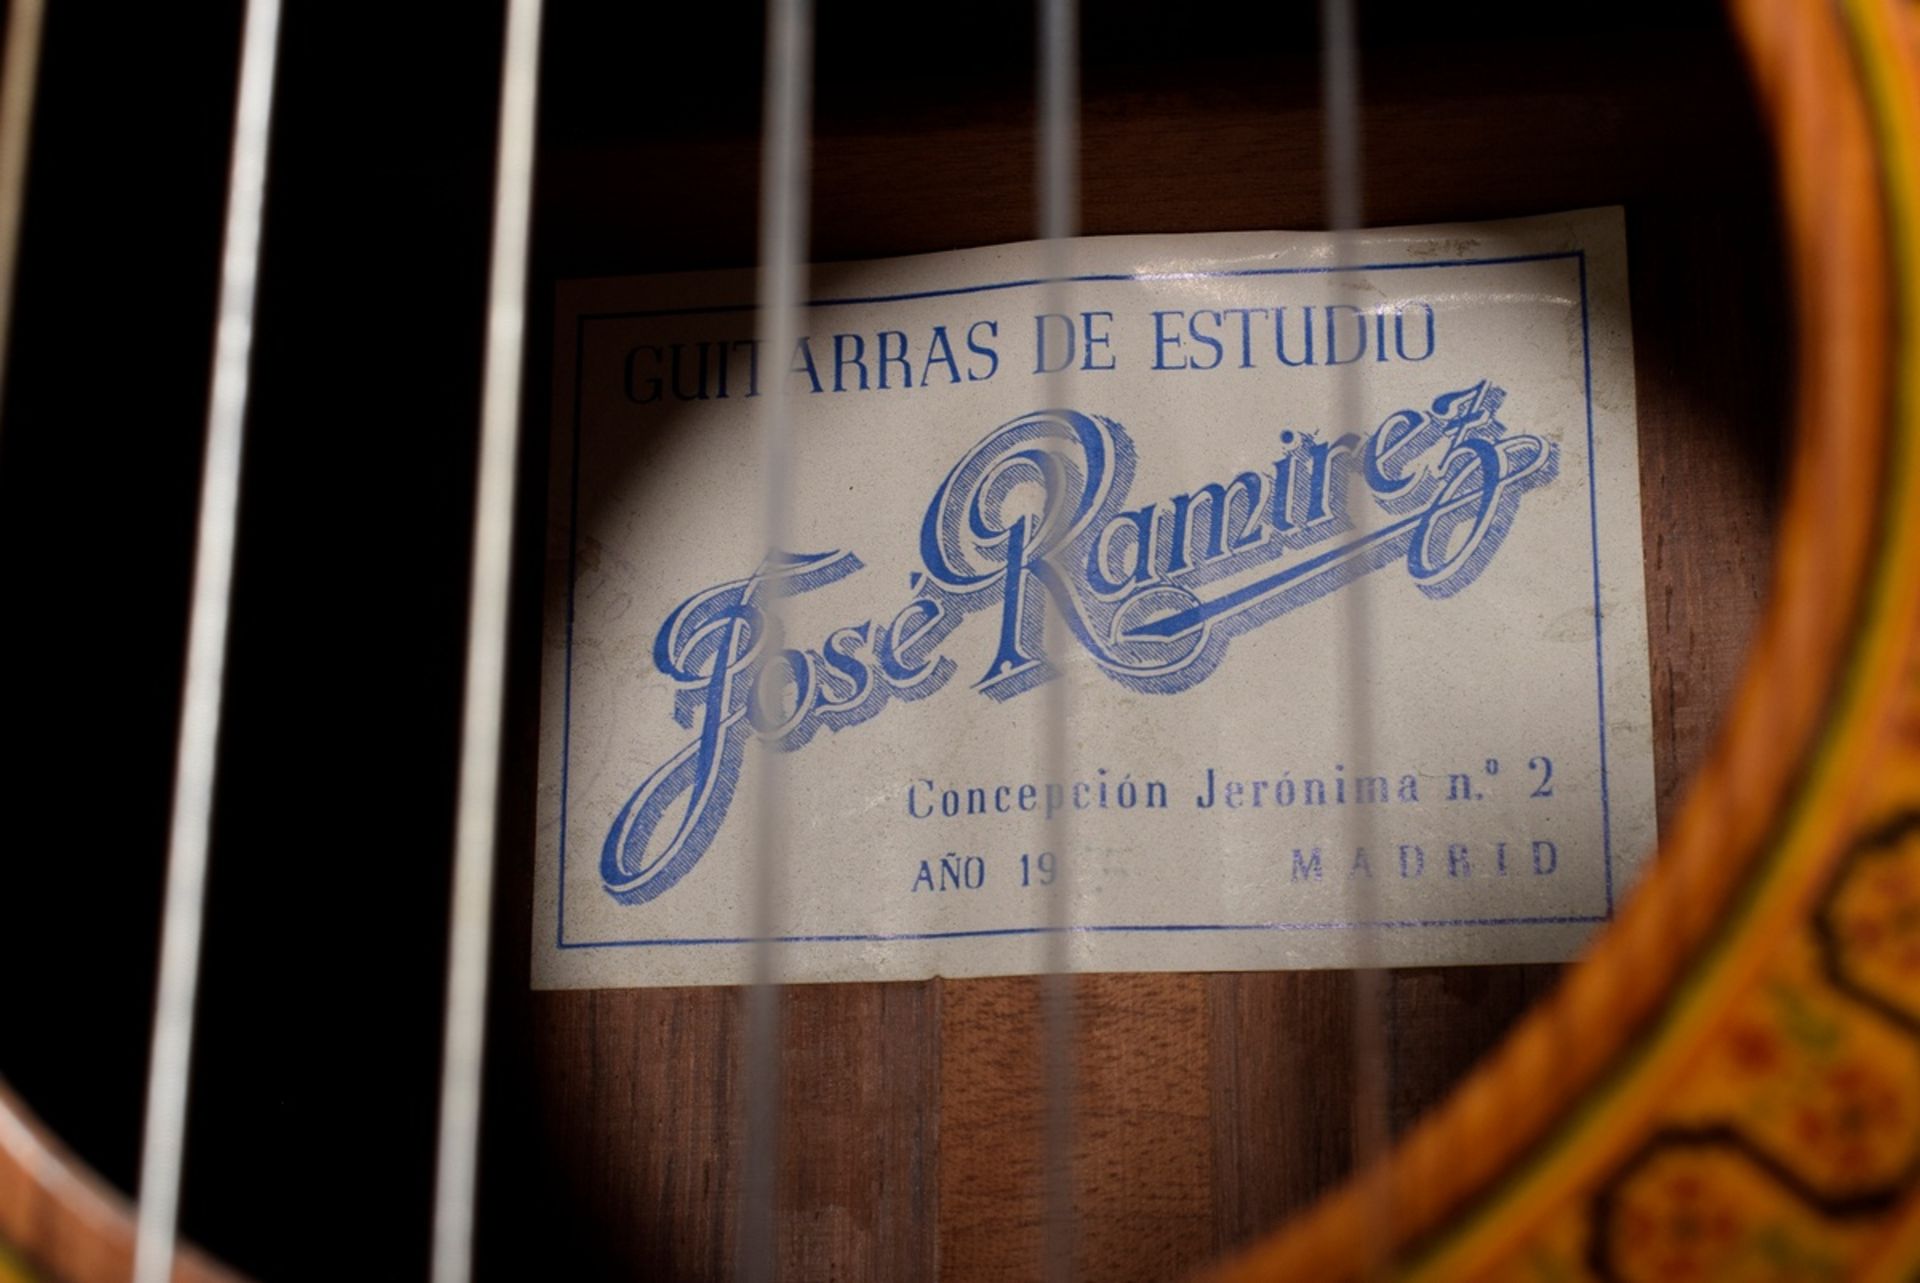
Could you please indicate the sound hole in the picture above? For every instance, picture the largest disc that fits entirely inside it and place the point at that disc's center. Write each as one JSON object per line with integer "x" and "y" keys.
{"x": 1209, "y": 1106}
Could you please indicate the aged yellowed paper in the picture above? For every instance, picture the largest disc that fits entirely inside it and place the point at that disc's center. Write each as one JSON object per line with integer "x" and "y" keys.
{"x": 1332, "y": 563}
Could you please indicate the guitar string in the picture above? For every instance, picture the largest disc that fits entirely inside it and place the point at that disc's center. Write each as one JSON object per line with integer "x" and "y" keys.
{"x": 1057, "y": 180}
{"x": 784, "y": 195}
{"x": 163, "y": 1138}
{"x": 17, "y": 79}
{"x": 456, "y": 1161}
{"x": 1340, "y": 107}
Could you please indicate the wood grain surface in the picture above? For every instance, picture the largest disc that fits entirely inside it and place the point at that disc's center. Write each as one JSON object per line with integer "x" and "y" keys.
{"x": 1206, "y": 1106}
{"x": 73, "y": 1225}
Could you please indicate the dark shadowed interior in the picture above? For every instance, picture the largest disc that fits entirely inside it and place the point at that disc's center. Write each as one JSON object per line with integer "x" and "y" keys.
{"x": 1211, "y": 1104}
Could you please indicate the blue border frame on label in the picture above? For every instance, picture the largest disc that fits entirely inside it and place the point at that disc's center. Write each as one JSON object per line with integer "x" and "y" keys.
{"x": 1593, "y": 516}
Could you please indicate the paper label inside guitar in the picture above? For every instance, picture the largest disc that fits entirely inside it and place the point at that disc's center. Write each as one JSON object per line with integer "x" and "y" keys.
{"x": 1224, "y": 607}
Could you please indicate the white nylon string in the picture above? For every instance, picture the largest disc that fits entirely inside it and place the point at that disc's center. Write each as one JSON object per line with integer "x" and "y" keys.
{"x": 1057, "y": 181}
{"x": 193, "y": 781}
{"x": 1340, "y": 87}
{"x": 17, "y": 77}
{"x": 475, "y": 837}
{"x": 784, "y": 194}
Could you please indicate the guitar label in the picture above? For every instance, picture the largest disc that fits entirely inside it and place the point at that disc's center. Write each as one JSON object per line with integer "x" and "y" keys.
{"x": 1233, "y": 603}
